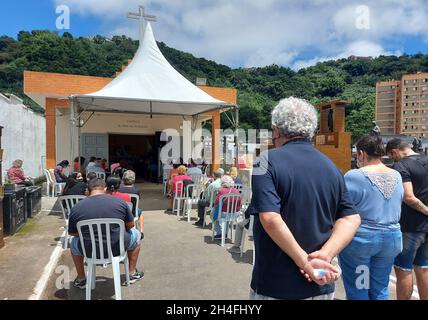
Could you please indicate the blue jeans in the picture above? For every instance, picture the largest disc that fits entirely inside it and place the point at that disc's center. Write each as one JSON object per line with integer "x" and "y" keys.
{"x": 367, "y": 262}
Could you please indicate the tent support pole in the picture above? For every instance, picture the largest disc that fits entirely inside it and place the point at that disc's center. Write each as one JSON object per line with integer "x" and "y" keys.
{"x": 72, "y": 124}
{"x": 237, "y": 137}
{"x": 79, "y": 138}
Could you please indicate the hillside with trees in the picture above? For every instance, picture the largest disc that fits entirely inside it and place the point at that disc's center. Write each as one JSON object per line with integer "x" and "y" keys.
{"x": 259, "y": 88}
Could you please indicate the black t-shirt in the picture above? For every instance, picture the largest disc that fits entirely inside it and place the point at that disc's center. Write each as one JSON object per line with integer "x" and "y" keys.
{"x": 129, "y": 189}
{"x": 414, "y": 169}
{"x": 99, "y": 207}
{"x": 308, "y": 190}
{"x": 78, "y": 189}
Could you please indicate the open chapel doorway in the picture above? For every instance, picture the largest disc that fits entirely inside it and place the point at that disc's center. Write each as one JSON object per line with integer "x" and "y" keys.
{"x": 139, "y": 152}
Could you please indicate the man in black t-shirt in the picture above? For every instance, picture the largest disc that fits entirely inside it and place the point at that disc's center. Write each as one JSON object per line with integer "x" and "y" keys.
{"x": 414, "y": 219}
{"x": 101, "y": 206}
{"x": 303, "y": 213}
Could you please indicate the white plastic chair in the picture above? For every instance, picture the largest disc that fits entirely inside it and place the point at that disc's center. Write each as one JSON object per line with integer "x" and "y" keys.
{"x": 178, "y": 197}
{"x": 135, "y": 204}
{"x": 102, "y": 259}
{"x": 246, "y": 198}
{"x": 49, "y": 182}
{"x": 193, "y": 192}
{"x": 229, "y": 216}
{"x": 67, "y": 203}
{"x": 55, "y": 184}
{"x": 101, "y": 175}
{"x": 131, "y": 207}
{"x": 165, "y": 175}
{"x": 239, "y": 186}
{"x": 208, "y": 209}
{"x": 196, "y": 178}
{"x": 246, "y": 233}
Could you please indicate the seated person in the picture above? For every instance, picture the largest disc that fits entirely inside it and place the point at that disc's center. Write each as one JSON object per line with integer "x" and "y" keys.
{"x": 233, "y": 172}
{"x": 76, "y": 164}
{"x": 95, "y": 168}
{"x": 239, "y": 230}
{"x": 227, "y": 187}
{"x": 128, "y": 183}
{"x": 215, "y": 185}
{"x": 59, "y": 171}
{"x": 128, "y": 186}
{"x": 17, "y": 176}
{"x": 181, "y": 176}
{"x": 113, "y": 185}
{"x": 90, "y": 176}
{"x": 91, "y": 163}
{"x": 171, "y": 174}
{"x": 98, "y": 206}
{"x": 75, "y": 185}
{"x": 104, "y": 164}
{"x": 193, "y": 169}
{"x": 114, "y": 165}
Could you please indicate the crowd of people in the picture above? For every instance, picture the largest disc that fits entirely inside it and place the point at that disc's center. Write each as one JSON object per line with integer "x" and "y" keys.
{"x": 307, "y": 213}
{"x": 209, "y": 194}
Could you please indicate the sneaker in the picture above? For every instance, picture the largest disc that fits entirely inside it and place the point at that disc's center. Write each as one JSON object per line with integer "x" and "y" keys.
{"x": 168, "y": 211}
{"x": 138, "y": 275}
{"x": 198, "y": 223}
{"x": 234, "y": 249}
{"x": 217, "y": 237}
{"x": 80, "y": 283}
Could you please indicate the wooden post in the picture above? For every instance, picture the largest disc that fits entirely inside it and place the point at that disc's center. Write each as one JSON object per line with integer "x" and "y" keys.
{"x": 51, "y": 105}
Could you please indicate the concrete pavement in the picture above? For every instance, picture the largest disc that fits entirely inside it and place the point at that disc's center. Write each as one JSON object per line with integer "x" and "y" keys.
{"x": 180, "y": 261}
{"x": 23, "y": 259}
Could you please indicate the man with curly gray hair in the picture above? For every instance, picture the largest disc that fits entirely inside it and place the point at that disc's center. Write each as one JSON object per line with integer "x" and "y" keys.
{"x": 294, "y": 117}
{"x": 303, "y": 213}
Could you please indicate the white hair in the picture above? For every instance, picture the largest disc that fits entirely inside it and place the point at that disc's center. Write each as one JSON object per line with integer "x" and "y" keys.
{"x": 295, "y": 117}
{"x": 227, "y": 181}
{"x": 129, "y": 177}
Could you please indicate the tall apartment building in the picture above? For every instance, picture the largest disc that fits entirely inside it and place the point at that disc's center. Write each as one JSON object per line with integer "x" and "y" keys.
{"x": 402, "y": 106}
{"x": 388, "y": 111}
{"x": 414, "y": 105}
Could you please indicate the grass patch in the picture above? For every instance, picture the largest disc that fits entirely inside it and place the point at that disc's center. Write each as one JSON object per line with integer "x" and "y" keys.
{"x": 29, "y": 227}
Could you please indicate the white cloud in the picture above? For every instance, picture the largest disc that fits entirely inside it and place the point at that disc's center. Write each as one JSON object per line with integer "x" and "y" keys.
{"x": 256, "y": 32}
{"x": 357, "y": 48}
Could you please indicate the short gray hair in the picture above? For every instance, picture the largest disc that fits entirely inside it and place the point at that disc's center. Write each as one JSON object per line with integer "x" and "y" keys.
{"x": 129, "y": 177}
{"x": 227, "y": 181}
{"x": 218, "y": 173}
{"x": 17, "y": 163}
{"x": 295, "y": 117}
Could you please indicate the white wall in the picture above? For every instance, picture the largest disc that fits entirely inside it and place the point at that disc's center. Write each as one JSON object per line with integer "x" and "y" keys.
{"x": 111, "y": 123}
{"x": 24, "y": 135}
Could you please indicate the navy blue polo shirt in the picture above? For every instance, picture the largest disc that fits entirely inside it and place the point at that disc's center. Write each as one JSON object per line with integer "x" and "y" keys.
{"x": 308, "y": 190}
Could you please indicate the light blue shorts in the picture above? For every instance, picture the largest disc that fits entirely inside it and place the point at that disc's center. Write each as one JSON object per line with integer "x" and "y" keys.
{"x": 135, "y": 241}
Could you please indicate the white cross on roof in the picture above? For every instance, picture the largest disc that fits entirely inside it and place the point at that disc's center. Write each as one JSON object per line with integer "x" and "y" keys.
{"x": 143, "y": 18}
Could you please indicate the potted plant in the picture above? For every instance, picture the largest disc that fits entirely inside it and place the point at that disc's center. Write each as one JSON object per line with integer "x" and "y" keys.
{"x": 9, "y": 185}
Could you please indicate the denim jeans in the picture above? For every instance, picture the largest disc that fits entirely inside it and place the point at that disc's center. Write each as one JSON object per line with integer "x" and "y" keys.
{"x": 367, "y": 262}
{"x": 415, "y": 251}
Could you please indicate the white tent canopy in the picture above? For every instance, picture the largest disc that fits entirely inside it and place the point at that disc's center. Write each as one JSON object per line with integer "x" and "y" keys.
{"x": 150, "y": 85}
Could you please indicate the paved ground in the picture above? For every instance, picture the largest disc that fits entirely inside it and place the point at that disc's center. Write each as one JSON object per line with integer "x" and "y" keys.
{"x": 180, "y": 261}
{"x": 23, "y": 259}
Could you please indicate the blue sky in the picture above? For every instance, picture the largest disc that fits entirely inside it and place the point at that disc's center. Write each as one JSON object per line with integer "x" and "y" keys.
{"x": 245, "y": 33}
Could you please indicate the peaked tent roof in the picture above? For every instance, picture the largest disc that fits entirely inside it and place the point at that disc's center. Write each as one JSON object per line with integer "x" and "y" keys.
{"x": 150, "y": 85}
